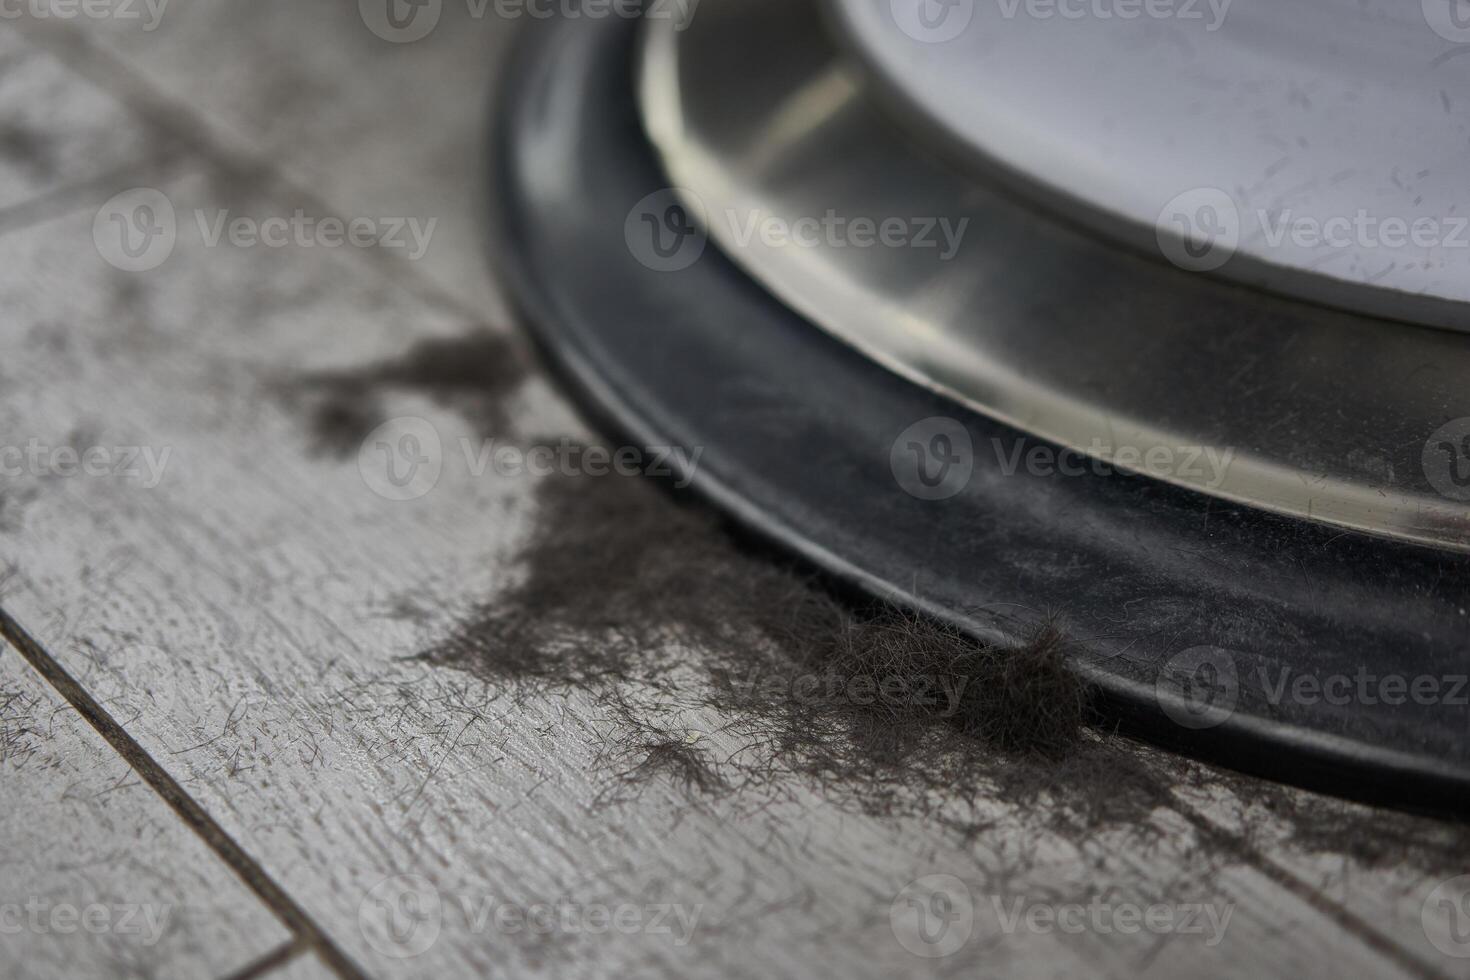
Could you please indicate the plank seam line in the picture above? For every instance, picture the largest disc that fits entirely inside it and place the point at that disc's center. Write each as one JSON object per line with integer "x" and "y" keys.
{"x": 249, "y": 871}
{"x": 73, "y": 197}
{"x": 1345, "y": 918}
{"x": 276, "y": 958}
{"x": 168, "y": 114}
{"x": 104, "y": 68}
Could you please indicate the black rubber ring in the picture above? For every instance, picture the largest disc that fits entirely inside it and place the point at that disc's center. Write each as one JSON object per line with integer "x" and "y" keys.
{"x": 1281, "y": 645}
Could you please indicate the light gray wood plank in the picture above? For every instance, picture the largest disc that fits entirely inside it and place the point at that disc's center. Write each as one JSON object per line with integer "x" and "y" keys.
{"x": 100, "y": 877}
{"x": 302, "y": 966}
{"x": 55, "y": 133}
{"x": 308, "y": 87}
{"x": 239, "y": 615}
{"x": 1408, "y": 885}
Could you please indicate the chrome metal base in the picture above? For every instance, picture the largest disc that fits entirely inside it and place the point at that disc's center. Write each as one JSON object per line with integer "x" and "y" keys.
{"x": 1281, "y": 405}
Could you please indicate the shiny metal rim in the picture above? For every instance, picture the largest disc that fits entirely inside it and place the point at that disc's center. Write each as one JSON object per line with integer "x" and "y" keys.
{"x": 1279, "y": 405}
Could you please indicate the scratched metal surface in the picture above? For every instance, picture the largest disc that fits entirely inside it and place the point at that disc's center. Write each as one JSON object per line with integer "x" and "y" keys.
{"x": 239, "y": 619}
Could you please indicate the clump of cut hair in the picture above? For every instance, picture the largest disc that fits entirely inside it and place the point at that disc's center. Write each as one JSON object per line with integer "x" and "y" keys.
{"x": 473, "y": 374}
{"x": 622, "y": 586}
{"x": 691, "y": 637}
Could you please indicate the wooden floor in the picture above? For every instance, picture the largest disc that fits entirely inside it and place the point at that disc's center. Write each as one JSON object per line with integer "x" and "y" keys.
{"x": 219, "y": 754}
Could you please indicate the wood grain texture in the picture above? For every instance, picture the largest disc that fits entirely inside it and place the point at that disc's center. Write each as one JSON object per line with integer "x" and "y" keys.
{"x": 252, "y": 618}
{"x": 99, "y": 877}
{"x": 307, "y": 87}
{"x": 302, "y": 966}
{"x": 57, "y": 135}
